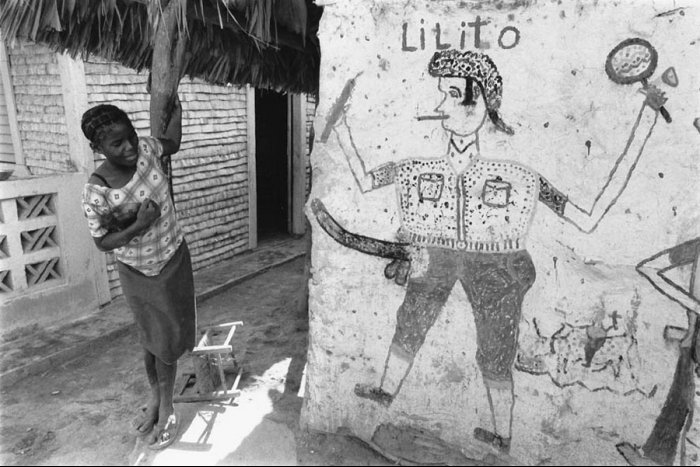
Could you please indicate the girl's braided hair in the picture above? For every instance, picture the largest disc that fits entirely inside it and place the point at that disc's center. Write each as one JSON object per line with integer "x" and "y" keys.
{"x": 96, "y": 121}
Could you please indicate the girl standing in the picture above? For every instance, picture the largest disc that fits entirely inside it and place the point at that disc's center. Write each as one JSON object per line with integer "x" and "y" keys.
{"x": 129, "y": 211}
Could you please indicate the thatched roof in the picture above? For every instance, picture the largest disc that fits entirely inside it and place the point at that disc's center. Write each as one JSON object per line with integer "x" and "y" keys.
{"x": 266, "y": 43}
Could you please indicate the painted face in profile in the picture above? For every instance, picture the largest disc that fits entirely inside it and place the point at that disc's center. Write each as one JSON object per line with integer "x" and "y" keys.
{"x": 465, "y": 111}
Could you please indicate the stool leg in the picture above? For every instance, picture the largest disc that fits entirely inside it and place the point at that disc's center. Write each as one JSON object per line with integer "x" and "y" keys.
{"x": 221, "y": 374}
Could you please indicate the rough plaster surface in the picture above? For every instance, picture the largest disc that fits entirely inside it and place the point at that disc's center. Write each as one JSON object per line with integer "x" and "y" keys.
{"x": 571, "y": 122}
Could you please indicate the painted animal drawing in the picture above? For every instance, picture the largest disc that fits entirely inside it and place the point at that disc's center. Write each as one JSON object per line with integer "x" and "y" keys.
{"x": 600, "y": 356}
{"x": 470, "y": 215}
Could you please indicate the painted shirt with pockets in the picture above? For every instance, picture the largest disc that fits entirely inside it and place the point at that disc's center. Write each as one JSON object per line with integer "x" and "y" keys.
{"x": 487, "y": 207}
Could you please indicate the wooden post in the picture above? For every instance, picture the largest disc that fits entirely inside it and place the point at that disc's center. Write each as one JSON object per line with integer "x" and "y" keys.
{"x": 298, "y": 165}
{"x": 20, "y": 168}
{"x": 166, "y": 69}
{"x": 252, "y": 172}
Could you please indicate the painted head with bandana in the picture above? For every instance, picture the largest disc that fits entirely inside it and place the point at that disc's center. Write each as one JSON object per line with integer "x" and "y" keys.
{"x": 472, "y": 89}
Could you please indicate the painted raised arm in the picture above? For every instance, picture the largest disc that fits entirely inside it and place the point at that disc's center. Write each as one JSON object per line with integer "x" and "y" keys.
{"x": 336, "y": 121}
{"x": 588, "y": 219}
{"x": 363, "y": 178}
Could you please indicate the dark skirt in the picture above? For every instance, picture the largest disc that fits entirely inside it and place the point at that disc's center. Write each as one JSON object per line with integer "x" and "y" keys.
{"x": 163, "y": 306}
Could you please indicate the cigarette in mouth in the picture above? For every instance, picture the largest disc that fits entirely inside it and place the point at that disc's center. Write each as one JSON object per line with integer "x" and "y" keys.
{"x": 420, "y": 118}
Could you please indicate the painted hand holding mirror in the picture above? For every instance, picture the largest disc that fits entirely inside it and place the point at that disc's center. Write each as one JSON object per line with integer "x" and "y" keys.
{"x": 634, "y": 60}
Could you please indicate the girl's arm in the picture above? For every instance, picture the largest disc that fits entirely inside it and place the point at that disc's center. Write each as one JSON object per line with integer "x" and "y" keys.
{"x": 115, "y": 240}
{"x": 148, "y": 212}
{"x": 173, "y": 133}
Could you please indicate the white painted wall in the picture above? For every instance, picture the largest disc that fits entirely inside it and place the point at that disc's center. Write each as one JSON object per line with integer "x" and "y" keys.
{"x": 556, "y": 96}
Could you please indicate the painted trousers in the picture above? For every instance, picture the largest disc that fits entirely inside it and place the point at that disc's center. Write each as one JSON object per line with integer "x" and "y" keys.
{"x": 495, "y": 284}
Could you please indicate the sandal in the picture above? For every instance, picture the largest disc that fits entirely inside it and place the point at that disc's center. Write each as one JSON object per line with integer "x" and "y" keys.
{"x": 143, "y": 419}
{"x": 167, "y": 434}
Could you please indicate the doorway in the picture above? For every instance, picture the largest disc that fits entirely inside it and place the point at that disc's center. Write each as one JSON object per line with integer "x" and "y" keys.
{"x": 271, "y": 163}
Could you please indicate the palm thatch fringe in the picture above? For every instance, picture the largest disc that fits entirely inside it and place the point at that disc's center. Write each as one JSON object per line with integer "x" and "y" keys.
{"x": 269, "y": 44}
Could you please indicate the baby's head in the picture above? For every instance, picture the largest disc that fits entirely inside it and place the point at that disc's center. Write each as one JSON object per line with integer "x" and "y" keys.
{"x": 100, "y": 120}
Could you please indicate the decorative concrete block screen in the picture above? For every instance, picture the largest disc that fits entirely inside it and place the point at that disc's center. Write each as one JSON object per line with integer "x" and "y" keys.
{"x": 505, "y": 231}
{"x": 28, "y": 243}
{"x": 43, "y": 254}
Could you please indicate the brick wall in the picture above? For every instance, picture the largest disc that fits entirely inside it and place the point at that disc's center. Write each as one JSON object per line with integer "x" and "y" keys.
{"x": 210, "y": 172}
{"x": 41, "y": 117}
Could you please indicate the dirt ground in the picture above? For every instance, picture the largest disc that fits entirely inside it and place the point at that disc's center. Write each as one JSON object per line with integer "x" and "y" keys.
{"x": 79, "y": 413}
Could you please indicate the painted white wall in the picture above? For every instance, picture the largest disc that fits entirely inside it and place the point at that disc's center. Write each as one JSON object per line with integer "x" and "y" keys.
{"x": 556, "y": 96}
{"x": 71, "y": 292}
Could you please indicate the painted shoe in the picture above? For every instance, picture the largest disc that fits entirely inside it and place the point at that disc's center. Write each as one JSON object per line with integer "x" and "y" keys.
{"x": 489, "y": 437}
{"x": 374, "y": 393}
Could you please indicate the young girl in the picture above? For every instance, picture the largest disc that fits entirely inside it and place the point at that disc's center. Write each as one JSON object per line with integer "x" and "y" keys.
{"x": 129, "y": 211}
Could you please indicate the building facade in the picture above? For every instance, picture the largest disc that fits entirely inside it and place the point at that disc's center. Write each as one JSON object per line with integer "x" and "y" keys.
{"x": 215, "y": 175}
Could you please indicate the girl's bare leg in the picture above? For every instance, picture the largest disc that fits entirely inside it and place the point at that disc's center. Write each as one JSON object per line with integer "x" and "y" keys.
{"x": 166, "y": 384}
{"x": 150, "y": 417}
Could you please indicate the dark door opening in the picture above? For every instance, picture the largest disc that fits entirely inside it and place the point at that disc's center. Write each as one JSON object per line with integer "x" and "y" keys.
{"x": 271, "y": 163}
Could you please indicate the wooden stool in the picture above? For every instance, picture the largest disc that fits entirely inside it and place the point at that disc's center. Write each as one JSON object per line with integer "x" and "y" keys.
{"x": 212, "y": 359}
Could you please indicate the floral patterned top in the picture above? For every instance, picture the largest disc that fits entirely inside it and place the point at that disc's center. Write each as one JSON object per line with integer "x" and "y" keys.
{"x": 106, "y": 207}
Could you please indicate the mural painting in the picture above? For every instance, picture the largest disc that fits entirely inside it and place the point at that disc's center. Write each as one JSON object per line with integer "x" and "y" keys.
{"x": 487, "y": 175}
{"x": 601, "y": 356}
{"x": 676, "y": 417}
{"x": 468, "y": 214}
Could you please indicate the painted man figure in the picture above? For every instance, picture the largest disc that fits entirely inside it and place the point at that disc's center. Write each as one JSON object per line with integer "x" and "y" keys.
{"x": 471, "y": 215}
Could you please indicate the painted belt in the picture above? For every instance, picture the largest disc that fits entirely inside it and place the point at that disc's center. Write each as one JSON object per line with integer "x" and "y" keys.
{"x": 464, "y": 245}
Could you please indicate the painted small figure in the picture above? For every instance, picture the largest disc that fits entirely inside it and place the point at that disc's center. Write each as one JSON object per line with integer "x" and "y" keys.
{"x": 676, "y": 417}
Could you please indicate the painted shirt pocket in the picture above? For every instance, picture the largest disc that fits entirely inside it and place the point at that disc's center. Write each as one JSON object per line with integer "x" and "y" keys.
{"x": 430, "y": 186}
{"x": 496, "y": 193}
